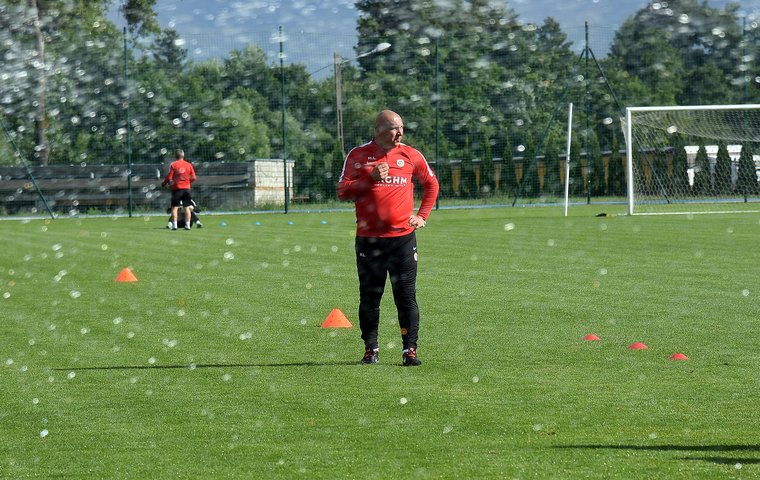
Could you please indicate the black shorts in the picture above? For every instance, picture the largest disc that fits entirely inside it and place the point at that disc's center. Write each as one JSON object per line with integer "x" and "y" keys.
{"x": 181, "y": 198}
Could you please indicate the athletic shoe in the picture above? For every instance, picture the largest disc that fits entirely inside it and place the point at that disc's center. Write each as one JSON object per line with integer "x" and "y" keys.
{"x": 409, "y": 358}
{"x": 187, "y": 227}
{"x": 371, "y": 355}
{"x": 199, "y": 224}
{"x": 169, "y": 225}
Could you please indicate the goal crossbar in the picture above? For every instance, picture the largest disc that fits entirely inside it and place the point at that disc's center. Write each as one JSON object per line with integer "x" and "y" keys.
{"x": 694, "y": 107}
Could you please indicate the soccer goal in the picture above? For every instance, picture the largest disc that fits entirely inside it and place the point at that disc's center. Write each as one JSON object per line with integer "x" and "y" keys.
{"x": 693, "y": 159}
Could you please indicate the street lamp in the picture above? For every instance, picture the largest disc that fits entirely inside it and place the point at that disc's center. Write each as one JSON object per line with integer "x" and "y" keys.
{"x": 338, "y": 63}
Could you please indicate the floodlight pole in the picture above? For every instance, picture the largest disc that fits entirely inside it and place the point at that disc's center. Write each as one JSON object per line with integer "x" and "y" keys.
{"x": 437, "y": 113}
{"x": 589, "y": 170}
{"x": 284, "y": 139}
{"x": 744, "y": 57}
{"x": 338, "y": 63}
{"x": 129, "y": 130}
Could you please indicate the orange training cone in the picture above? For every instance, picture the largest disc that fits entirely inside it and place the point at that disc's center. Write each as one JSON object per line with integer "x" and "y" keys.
{"x": 336, "y": 319}
{"x": 637, "y": 346}
{"x": 679, "y": 356}
{"x": 126, "y": 275}
{"x": 591, "y": 337}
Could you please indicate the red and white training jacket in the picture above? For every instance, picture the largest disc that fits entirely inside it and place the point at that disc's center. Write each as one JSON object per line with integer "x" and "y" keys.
{"x": 383, "y": 208}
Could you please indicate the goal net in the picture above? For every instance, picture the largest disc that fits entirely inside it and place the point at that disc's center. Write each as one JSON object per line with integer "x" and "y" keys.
{"x": 694, "y": 159}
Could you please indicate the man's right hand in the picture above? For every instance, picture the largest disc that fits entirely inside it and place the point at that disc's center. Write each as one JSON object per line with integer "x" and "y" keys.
{"x": 380, "y": 172}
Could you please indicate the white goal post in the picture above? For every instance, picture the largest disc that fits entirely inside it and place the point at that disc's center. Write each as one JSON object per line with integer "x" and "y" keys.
{"x": 692, "y": 159}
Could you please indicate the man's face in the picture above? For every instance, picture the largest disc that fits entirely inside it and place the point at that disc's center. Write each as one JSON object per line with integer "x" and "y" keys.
{"x": 390, "y": 133}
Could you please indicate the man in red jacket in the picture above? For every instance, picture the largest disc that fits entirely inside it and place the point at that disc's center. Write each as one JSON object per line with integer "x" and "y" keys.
{"x": 378, "y": 176}
{"x": 181, "y": 175}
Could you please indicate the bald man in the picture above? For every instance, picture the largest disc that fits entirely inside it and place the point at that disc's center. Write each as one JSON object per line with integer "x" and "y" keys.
{"x": 379, "y": 178}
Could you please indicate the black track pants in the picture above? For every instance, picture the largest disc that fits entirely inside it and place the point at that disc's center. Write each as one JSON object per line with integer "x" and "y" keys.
{"x": 376, "y": 259}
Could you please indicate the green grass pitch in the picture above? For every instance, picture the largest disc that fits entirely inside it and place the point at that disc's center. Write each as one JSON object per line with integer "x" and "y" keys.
{"x": 214, "y": 364}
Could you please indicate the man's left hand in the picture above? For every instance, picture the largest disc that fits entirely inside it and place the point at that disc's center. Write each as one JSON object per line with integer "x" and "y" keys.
{"x": 417, "y": 222}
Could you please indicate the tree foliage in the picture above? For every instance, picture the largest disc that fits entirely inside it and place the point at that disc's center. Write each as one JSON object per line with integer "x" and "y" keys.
{"x": 722, "y": 176}
{"x": 747, "y": 182}
{"x": 668, "y": 44}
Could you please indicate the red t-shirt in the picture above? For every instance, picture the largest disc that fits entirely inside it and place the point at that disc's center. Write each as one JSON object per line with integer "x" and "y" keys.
{"x": 383, "y": 208}
{"x": 182, "y": 173}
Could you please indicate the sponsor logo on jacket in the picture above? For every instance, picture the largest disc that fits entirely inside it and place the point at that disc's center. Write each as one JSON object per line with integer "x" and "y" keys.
{"x": 394, "y": 181}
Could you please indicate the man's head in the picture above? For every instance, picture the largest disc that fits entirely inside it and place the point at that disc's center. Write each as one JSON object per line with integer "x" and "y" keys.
{"x": 179, "y": 153}
{"x": 389, "y": 129}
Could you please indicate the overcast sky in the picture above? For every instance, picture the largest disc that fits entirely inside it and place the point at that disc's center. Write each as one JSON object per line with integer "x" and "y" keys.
{"x": 336, "y": 19}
